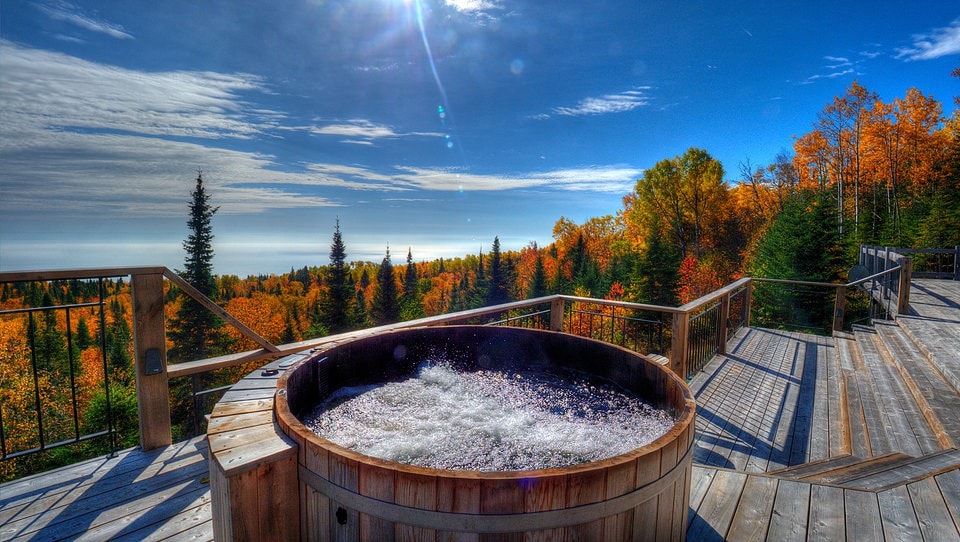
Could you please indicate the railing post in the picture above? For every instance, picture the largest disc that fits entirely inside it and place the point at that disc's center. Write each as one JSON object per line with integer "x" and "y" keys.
{"x": 956, "y": 263}
{"x": 839, "y": 306}
{"x": 903, "y": 297}
{"x": 679, "y": 346}
{"x": 556, "y": 314}
{"x": 747, "y": 301}
{"x": 149, "y": 339}
{"x": 722, "y": 324}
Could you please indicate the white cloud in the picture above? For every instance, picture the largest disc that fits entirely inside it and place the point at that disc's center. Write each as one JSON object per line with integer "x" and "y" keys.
{"x": 42, "y": 91}
{"x": 67, "y": 12}
{"x": 364, "y": 132}
{"x": 610, "y": 179}
{"x": 939, "y": 42}
{"x": 472, "y": 6}
{"x": 610, "y": 103}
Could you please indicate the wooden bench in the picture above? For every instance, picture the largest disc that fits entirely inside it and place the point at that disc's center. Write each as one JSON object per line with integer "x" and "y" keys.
{"x": 254, "y": 488}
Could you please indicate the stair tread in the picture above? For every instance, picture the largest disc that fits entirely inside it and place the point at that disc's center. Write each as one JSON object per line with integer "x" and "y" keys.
{"x": 907, "y": 472}
{"x": 814, "y": 467}
{"x": 873, "y": 465}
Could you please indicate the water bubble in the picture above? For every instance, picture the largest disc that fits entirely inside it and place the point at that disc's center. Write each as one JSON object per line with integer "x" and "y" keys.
{"x": 516, "y": 66}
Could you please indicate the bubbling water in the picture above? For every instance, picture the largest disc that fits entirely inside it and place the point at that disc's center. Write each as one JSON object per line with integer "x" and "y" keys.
{"x": 489, "y": 420}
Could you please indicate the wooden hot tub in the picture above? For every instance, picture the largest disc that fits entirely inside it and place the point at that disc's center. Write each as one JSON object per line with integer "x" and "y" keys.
{"x": 344, "y": 495}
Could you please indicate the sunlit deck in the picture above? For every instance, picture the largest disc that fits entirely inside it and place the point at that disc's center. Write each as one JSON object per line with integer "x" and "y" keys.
{"x": 798, "y": 437}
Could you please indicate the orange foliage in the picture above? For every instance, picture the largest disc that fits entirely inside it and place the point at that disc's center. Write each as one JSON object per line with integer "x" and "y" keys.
{"x": 697, "y": 278}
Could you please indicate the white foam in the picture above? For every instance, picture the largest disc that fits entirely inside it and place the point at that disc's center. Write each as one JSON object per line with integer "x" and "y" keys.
{"x": 487, "y": 420}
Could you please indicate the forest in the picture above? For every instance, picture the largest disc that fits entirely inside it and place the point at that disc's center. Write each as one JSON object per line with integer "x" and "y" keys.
{"x": 868, "y": 172}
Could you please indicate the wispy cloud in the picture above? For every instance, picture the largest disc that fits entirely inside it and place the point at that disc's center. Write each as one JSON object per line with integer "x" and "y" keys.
{"x": 939, "y": 42}
{"x": 472, "y": 6}
{"x": 609, "y": 103}
{"x": 608, "y": 179}
{"x": 43, "y": 91}
{"x": 69, "y": 13}
{"x": 836, "y": 66}
{"x": 365, "y": 132}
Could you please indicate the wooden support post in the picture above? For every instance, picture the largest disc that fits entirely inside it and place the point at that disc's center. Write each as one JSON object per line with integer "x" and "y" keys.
{"x": 839, "y": 306}
{"x": 150, "y": 345}
{"x": 679, "y": 346}
{"x": 903, "y": 296}
{"x": 722, "y": 328}
{"x": 556, "y": 314}
{"x": 956, "y": 263}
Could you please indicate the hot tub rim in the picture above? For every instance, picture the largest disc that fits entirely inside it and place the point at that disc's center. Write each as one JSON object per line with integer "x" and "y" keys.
{"x": 291, "y": 425}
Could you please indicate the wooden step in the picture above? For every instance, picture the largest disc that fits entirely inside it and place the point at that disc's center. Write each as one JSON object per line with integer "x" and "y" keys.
{"x": 839, "y": 476}
{"x": 855, "y": 432}
{"x": 939, "y": 341}
{"x": 902, "y": 416}
{"x": 813, "y": 468}
{"x": 939, "y": 401}
{"x": 907, "y": 471}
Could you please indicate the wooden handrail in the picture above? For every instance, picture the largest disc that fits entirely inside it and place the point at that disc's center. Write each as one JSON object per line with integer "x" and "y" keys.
{"x": 218, "y": 310}
{"x": 88, "y": 273}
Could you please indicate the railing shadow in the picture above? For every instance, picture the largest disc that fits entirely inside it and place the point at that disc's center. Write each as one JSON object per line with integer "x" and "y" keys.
{"x": 720, "y": 433}
{"x": 143, "y": 490}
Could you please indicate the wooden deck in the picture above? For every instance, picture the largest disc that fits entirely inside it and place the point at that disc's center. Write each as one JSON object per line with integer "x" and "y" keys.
{"x": 852, "y": 437}
{"x": 798, "y": 437}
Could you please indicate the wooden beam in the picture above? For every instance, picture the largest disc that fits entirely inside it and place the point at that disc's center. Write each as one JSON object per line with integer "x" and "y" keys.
{"x": 150, "y": 349}
{"x": 839, "y": 307}
{"x": 903, "y": 291}
{"x": 679, "y": 347}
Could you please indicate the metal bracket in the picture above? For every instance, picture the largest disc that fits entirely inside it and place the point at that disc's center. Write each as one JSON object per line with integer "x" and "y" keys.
{"x": 153, "y": 363}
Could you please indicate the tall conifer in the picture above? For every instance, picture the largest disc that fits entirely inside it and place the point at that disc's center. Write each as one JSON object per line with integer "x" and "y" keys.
{"x": 386, "y": 305}
{"x": 196, "y": 332}
{"x": 335, "y": 310}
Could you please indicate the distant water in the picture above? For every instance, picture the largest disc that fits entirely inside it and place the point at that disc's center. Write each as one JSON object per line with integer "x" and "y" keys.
{"x": 488, "y": 420}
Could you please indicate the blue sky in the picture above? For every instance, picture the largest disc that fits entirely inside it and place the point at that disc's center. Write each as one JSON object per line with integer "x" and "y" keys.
{"x": 430, "y": 124}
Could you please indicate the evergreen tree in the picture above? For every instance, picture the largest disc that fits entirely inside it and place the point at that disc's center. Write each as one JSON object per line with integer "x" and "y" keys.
{"x": 410, "y": 306}
{"x": 497, "y": 284}
{"x": 335, "y": 308}
{"x": 360, "y": 309}
{"x": 196, "y": 332}
{"x": 657, "y": 276}
{"x": 538, "y": 283}
{"x": 118, "y": 339}
{"x": 84, "y": 339}
{"x": 803, "y": 243}
{"x": 386, "y": 304}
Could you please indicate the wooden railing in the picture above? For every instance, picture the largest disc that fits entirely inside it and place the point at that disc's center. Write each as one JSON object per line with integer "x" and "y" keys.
{"x": 933, "y": 263}
{"x": 687, "y": 336}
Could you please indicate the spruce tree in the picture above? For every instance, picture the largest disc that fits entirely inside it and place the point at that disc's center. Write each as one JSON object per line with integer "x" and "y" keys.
{"x": 335, "y": 309}
{"x": 196, "y": 332}
{"x": 497, "y": 286}
{"x": 410, "y": 306}
{"x": 538, "y": 284}
{"x": 386, "y": 305}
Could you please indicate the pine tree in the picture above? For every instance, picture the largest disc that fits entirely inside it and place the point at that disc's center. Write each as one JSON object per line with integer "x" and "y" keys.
{"x": 410, "y": 305}
{"x": 498, "y": 285}
{"x": 335, "y": 309}
{"x": 538, "y": 283}
{"x": 386, "y": 305}
{"x": 196, "y": 332}
{"x": 84, "y": 340}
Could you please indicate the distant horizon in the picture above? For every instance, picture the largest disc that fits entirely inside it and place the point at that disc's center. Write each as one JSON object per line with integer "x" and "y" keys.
{"x": 430, "y": 124}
